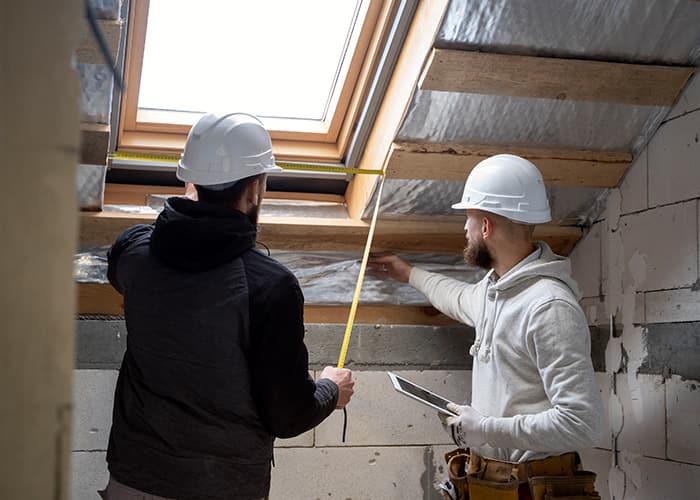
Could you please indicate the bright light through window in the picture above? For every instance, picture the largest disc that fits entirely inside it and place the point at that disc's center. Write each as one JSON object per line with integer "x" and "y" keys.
{"x": 273, "y": 58}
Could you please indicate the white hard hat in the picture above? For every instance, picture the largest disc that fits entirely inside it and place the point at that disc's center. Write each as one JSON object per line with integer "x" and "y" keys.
{"x": 507, "y": 185}
{"x": 223, "y": 149}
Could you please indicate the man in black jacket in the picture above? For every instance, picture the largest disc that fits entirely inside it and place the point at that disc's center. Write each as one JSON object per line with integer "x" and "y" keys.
{"x": 215, "y": 366}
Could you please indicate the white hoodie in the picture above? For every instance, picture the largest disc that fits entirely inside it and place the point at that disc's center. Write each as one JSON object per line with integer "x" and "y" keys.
{"x": 532, "y": 374}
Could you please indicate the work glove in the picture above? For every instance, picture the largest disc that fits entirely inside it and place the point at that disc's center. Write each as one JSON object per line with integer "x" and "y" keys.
{"x": 467, "y": 428}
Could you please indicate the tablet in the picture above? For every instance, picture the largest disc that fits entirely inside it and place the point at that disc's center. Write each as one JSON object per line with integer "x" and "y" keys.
{"x": 421, "y": 394}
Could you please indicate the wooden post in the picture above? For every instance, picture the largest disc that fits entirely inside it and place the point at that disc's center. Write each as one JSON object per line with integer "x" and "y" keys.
{"x": 39, "y": 134}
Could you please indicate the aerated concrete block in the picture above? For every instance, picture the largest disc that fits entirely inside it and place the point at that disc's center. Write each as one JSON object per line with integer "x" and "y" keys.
{"x": 598, "y": 461}
{"x": 380, "y": 416}
{"x": 673, "y": 306}
{"x": 586, "y": 263}
{"x": 674, "y": 161}
{"x": 689, "y": 100}
{"x": 653, "y": 479}
{"x": 644, "y": 417}
{"x": 89, "y": 474}
{"x": 377, "y": 473}
{"x": 683, "y": 414}
{"x": 93, "y": 398}
{"x": 633, "y": 188}
{"x": 660, "y": 247}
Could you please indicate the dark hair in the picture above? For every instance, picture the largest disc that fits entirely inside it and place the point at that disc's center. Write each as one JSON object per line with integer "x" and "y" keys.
{"x": 226, "y": 196}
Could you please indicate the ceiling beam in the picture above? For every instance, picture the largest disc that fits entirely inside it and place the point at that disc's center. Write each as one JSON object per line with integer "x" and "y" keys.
{"x": 137, "y": 194}
{"x": 88, "y": 51}
{"x": 416, "y": 47}
{"x": 435, "y": 234}
{"x": 102, "y": 299}
{"x": 553, "y": 78}
{"x": 559, "y": 167}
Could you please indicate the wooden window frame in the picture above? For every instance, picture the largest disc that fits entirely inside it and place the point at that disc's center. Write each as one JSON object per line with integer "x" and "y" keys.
{"x": 143, "y": 130}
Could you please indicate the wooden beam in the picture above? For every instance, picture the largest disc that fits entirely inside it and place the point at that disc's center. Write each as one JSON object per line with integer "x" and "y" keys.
{"x": 428, "y": 234}
{"x": 559, "y": 167}
{"x": 102, "y": 299}
{"x": 136, "y": 194}
{"x": 94, "y": 143}
{"x": 88, "y": 52}
{"x": 419, "y": 41}
{"x": 553, "y": 78}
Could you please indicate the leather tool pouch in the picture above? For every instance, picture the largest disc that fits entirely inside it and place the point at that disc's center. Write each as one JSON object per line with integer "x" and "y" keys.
{"x": 492, "y": 480}
{"x": 457, "y": 463}
{"x": 580, "y": 486}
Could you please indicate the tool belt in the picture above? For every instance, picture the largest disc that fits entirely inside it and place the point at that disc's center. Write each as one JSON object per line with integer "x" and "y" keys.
{"x": 473, "y": 477}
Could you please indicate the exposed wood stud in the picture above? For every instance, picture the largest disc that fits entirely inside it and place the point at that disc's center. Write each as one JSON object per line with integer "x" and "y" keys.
{"x": 136, "y": 194}
{"x": 559, "y": 167}
{"x": 94, "y": 143}
{"x": 101, "y": 298}
{"x": 553, "y": 78}
{"x": 432, "y": 235}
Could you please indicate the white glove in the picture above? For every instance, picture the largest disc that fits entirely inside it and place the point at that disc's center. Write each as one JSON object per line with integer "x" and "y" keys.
{"x": 467, "y": 428}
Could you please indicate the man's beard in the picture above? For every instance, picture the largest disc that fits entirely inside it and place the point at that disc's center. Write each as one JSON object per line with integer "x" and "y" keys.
{"x": 476, "y": 253}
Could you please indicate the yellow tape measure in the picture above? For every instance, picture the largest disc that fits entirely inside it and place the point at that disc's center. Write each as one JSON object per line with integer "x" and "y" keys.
{"x": 307, "y": 167}
{"x": 360, "y": 279}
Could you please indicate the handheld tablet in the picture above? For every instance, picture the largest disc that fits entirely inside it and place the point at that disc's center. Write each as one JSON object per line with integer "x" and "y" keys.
{"x": 421, "y": 394}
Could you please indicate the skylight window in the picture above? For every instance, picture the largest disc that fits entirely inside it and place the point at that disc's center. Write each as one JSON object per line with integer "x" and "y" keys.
{"x": 304, "y": 67}
{"x": 273, "y": 58}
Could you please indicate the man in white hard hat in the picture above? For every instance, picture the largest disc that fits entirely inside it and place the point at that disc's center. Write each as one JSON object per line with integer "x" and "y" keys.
{"x": 534, "y": 396}
{"x": 215, "y": 366}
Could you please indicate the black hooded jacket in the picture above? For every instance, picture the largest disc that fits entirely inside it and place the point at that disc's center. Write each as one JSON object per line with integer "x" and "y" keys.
{"x": 215, "y": 365}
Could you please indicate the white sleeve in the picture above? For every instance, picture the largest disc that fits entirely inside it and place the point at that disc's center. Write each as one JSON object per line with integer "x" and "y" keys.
{"x": 455, "y": 298}
{"x": 559, "y": 343}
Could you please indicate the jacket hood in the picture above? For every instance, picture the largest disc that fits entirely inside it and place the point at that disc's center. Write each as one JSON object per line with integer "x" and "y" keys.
{"x": 548, "y": 265}
{"x": 196, "y": 236}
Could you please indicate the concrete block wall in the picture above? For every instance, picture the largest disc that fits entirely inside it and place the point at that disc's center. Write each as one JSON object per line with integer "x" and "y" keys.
{"x": 394, "y": 446}
{"x": 640, "y": 264}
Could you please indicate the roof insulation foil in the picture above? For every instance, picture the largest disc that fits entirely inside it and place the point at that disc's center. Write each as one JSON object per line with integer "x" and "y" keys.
{"x": 452, "y": 117}
{"x": 325, "y": 277}
{"x": 95, "y": 92}
{"x": 642, "y": 31}
{"x": 645, "y": 31}
{"x": 570, "y": 206}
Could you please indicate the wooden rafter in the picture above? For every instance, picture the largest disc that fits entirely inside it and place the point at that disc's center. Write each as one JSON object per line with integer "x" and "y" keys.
{"x": 553, "y": 78}
{"x": 430, "y": 234}
{"x": 136, "y": 194}
{"x": 559, "y": 167}
{"x": 419, "y": 41}
{"x": 102, "y": 299}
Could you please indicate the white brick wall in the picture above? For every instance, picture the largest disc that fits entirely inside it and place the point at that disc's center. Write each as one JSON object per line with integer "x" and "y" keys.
{"x": 389, "y": 439}
{"x": 633, "y": 188}
{"x": 683, "y": 409}
{"x": 689, "y": 100}
{"x": 674, "y": 160}
{"x": 649, "y": 264}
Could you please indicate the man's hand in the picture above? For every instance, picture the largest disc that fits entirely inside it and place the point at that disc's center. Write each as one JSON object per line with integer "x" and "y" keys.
{"x": 467, "y": 428}
{"x": 387, "y": 264}
{"x": 342, "y": 377}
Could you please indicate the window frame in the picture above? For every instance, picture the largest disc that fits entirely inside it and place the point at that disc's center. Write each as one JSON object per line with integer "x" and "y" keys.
{"x": 327, "y": 141}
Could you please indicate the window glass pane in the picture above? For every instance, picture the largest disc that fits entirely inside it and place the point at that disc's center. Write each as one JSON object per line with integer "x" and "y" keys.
{"x": 273, "y": 58}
